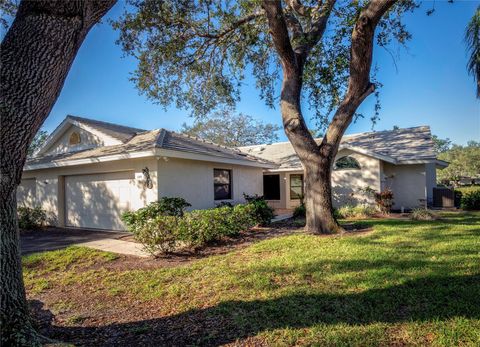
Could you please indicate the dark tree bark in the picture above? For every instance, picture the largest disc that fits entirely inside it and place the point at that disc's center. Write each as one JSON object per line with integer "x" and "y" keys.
{"x": 318, "y": 159}
{"x": 36, "y": 55}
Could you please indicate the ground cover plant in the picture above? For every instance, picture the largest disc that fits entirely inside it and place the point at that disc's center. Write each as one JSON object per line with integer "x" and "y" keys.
{"x": 406, "y": 283}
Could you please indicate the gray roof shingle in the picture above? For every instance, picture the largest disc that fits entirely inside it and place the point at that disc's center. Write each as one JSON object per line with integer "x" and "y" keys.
{"x": 401, "y": 145}
{"x": 148, "y": 140}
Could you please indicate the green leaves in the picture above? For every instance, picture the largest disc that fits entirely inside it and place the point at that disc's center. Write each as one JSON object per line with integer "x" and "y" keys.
{"x": 196, "y": 54}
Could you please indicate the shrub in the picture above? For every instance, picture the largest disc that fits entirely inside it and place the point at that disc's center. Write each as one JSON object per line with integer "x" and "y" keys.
{"x": 384, "y": 200}
{"x": 357, "y": 211}
{"x": 470, "y": 200}
{"x": 31, "y": 218}
{"x": 157, "y": 235}
{"x": 300, "y": 211}
{"x": 423, "y": 214}
{"x": 164, "y": 207}
{"x": 263, "y": 213}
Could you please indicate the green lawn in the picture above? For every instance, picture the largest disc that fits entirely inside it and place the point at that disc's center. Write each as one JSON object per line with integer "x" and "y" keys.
{"x": 406, "y": 283}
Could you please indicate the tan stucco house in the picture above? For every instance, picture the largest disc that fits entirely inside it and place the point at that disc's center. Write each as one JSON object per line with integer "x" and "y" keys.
{"x": 89, "y": 172}
{"x": 403, "y": 160}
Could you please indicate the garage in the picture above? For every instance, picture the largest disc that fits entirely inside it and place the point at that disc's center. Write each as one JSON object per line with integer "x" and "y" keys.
{"x": 26, "y": 193}
{"x": 98, "y": 201}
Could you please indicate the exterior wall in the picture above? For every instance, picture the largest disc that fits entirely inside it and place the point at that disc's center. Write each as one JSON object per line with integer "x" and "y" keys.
{"x": 27, "y": 193}
{"x": 431, "y": 177}
{"x": 408, "y": 183}
{"x": 50, "y": 193}
{"x": 193, "y": 181}
{"x": 345, "y": 183}
{"x": 88, "y": 140}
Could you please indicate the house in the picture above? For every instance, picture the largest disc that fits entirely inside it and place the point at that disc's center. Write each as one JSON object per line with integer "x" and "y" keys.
{"x": 89, "y": 172}
{"x": 403, "y": 160}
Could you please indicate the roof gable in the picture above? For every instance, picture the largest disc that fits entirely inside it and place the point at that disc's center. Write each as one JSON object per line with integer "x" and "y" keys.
{"x": 401, "y": 146}
{"x": 98, "y": 134}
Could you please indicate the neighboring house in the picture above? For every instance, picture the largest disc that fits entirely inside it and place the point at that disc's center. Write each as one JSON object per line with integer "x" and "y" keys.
{"x": 89, "y": 172}
{"x": 403, "y": 160}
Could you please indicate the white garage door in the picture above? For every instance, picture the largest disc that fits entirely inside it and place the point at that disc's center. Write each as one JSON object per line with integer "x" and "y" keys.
{"x": 98, "y": 201}
{"x": 26, "y": 193}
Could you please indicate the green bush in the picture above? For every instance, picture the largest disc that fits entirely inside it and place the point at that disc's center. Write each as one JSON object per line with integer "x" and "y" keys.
{"x": 470, "y": 200}
{"x": 164, "y": 207}
{"x": 157, "y": 235}
{"x": 356, "y": 211}
{"x": 31, "y": 218}
{"x": 423, "y": 214}
{"x": 263, "y": 213}
{"x": 164, "y": 233}
{"x": 300, "y": 211}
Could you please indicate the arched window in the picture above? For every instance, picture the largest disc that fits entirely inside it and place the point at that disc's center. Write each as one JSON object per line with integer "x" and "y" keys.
{"x": 74, "y": 139}
{"x": 346, "y": 163}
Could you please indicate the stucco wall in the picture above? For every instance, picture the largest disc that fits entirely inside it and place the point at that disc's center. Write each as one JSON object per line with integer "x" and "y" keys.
{"x": 193, "y": 181}
{"x": 431, "y": 177}
{"x": 408, "y": 183}
{"x": 346, "y": 184}
{"x": 88, "y": 140}
{"x": 50, "y": 192}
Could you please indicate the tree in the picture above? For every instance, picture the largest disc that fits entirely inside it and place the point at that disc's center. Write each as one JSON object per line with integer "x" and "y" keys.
{"x": 36, "y": 55}
{"x": 232, "y": 130}
{"x": 195, "y": 54}
{"x": 37, "y": 142}
{"x": 472, "y": 38}
{"x": 464, "y": 161}
{"x": 441, "y": 145}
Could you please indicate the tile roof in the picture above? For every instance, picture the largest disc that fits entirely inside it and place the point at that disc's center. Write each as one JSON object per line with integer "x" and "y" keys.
{"x": 401, "y": 145}
{"x": 149, "y": 140}
{"x": 120, "y": 132}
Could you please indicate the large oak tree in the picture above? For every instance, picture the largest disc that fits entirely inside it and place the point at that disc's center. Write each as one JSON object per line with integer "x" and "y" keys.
{"x": 36, "y": 55}
{"x": 196, "y": 54}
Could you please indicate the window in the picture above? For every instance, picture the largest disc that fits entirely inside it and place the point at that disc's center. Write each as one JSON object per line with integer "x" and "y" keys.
{"x": 222, "y": 184}
{"x": 271, "y": 187}
{"x": 74, "y": 139}
{"x": 346, "y": 163}
{"x": 296, "y": 187}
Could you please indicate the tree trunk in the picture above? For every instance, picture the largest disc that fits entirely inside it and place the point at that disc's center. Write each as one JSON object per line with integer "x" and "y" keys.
{"x": 318, "y": 199}
{"x": 36, "y": 55}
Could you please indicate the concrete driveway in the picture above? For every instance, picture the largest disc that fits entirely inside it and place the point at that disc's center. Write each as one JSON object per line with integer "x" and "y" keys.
{"x": 58, "y": 238}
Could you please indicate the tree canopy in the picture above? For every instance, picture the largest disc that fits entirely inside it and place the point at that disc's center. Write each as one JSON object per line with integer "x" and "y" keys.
{"x": 37, "y": 142}
{"x": 472, "y": 38}
{"x": 196, "y": 54}
{"x": 464, "y": 161}
{"x": 229, "y": 129}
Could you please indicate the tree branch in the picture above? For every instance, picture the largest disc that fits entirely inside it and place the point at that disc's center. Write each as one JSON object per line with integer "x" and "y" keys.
{"x": 359, "y": 85}
{"x": 279, "y": 33}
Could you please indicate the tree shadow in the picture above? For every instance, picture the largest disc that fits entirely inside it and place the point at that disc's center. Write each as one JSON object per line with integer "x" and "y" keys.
{"x": 421, "y": 300}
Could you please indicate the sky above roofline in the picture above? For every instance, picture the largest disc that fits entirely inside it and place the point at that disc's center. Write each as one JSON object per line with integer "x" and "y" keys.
{"x": 426, "y": 83}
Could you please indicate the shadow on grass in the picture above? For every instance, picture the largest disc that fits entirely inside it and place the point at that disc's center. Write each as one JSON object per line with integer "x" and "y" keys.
{"x": 422, "y": 300}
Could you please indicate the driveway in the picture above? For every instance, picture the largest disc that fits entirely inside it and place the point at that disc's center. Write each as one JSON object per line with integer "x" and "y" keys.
{"x": 58, "y": 238}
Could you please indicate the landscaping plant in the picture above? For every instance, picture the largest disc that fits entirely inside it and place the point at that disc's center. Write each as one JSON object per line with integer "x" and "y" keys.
{"x": 263, "y": 213}
{"x": 31, "y": 218}
{"x": 423, "y": 214}
{"x": 470, "y": 200}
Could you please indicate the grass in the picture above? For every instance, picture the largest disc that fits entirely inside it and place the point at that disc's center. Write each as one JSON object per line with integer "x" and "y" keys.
{"x": 414, "y": 283}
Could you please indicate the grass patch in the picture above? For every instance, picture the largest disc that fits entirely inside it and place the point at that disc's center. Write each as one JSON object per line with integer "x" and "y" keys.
{"x": 407, "y": 283}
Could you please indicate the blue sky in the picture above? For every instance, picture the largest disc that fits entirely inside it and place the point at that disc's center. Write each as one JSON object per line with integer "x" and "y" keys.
{"x": 428, "y": 86}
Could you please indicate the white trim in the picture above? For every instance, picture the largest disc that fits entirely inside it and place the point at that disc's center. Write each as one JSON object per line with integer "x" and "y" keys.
{"x": 210, "y": 157}
{"x": 83, "y": 161}
{"x": 151, "y": 153}
{"x": 63, "y": 126}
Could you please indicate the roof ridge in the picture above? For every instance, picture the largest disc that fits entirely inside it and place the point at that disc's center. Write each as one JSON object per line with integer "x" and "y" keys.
{"x": 85, "y": 119}
{"x": 160, "y": 137}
